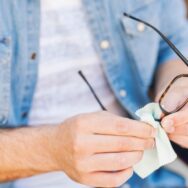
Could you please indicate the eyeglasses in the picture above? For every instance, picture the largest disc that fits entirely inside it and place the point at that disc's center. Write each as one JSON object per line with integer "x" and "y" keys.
{"x": 170, "y": 101}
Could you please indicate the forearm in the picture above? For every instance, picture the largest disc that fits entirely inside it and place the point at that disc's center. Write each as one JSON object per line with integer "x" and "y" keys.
{"x": 25, "y": 152}
{"x": 166, "y": 72}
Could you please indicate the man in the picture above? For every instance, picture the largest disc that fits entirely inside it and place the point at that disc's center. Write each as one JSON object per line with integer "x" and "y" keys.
{"x": 64, "y": 128}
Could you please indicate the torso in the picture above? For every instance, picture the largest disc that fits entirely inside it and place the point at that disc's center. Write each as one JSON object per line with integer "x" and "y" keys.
{"x": 66, "y": 47}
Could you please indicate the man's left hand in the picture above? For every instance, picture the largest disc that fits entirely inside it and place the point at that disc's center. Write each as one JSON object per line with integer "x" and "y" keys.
{"x": 176, "y": 125}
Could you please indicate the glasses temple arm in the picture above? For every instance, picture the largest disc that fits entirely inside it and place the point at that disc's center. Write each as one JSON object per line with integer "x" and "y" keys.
{"x": 172, "y": 46}
{"x": 92, "y": 91}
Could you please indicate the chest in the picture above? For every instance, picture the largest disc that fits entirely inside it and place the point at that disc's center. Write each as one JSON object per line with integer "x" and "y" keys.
{"x": 121, "y": 44}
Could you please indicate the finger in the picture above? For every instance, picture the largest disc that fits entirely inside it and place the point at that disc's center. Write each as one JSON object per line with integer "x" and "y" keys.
{"x": 181, "y": 130}
{"x": 181, "y": 140}
{"x": 108, "y": 179}
{"x": 112, "y": 144}
{"x": 113, "y": 161}
{"x": 115, "y": 125}
{"x": 175, "y": 119}
{"x": 185, "y": 107}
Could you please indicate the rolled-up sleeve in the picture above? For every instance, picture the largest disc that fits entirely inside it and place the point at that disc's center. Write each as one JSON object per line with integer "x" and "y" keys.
{"x": 175, "y": 26}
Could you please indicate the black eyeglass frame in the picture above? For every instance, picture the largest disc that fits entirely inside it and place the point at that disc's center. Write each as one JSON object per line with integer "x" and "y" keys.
{"x": 165, "y": 92}
{"x": 178, "y": 53}
{"x": 172, "y": 46}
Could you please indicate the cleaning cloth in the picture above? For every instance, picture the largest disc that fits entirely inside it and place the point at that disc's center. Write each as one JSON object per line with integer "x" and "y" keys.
{"x": 163, "y": 152}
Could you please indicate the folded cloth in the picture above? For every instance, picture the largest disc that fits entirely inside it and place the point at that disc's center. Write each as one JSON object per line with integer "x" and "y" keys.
{"x": 163, "y": 152}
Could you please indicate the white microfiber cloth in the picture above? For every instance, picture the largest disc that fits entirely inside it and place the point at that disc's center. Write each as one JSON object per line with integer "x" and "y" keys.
{"x": 163, "y": 152}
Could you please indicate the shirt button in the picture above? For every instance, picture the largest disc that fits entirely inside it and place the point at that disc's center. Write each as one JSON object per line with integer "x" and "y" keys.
{"x": 7, "y": 40}
{"x": 122, "y": 93}
{"x": 141, "y": 27}
{"x": 24, "y": 115}
{"x": 105, "y": 44}
{"x": 33, "y": 56}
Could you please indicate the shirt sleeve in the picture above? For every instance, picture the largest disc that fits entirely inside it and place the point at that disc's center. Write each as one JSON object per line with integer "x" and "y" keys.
{"x": 175, "y": 26}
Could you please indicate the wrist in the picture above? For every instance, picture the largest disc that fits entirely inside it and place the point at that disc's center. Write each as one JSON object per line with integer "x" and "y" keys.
{"x": 27, "y": 151}
{"x": 50, "y": 147}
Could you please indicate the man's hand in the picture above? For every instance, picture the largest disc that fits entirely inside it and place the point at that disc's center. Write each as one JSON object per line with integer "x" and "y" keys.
{"x": 176, "y": 125}
{"x": 97, "y": 149}
{"x": 100, "y": 149}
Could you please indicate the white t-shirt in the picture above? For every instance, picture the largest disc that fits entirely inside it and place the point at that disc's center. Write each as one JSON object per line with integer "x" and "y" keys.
{"x": 66, "y": 47}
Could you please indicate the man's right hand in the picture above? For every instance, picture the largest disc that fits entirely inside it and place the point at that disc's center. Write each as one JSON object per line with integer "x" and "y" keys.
{"x": 100, "y": 149}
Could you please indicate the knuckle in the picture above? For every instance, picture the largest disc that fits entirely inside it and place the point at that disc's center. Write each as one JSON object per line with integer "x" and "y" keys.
{"x": 121, "y": 126}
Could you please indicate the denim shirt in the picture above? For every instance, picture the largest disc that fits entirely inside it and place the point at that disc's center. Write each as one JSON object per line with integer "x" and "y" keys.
{"x": 130, "y": 52}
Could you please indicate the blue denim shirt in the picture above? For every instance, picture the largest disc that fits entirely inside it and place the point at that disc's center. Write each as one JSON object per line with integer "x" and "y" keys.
{"x": 130, "y": 55}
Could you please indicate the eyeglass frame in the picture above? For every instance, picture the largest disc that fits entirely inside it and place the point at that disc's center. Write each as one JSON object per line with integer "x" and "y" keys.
{"x": 172, "y": 46}
{"x": 178, "y": 53}
{"x": 165, "y": 92}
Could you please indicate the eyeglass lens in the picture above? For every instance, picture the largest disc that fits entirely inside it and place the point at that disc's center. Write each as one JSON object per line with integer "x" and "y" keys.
{"x": 177, "y": 95}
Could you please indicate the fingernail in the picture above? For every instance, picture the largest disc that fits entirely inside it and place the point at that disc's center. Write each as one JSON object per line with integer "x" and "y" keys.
{"x": 168, "y": 125}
